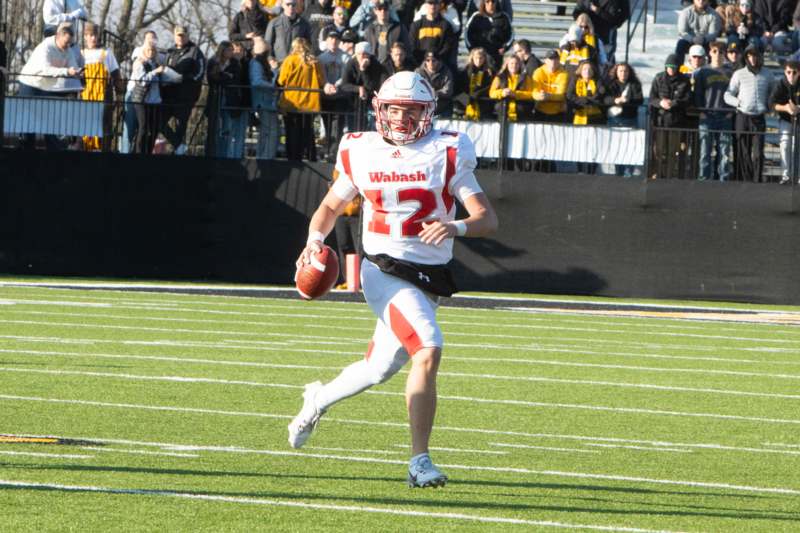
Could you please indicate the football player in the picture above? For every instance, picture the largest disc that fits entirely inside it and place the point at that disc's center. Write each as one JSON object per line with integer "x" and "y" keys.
{"x": 409, "y": 176}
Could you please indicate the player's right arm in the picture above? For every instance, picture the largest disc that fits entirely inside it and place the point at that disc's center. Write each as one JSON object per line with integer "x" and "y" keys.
{"x": 321, "y": 225}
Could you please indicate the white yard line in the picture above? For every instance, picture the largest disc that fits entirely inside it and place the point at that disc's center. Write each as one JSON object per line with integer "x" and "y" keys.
{"x": 544, "y": 448}
{"x": 321, "y": 506}
{"x": 642, "y": 448}
{"x": 139, "y": 452}
{"x": 454, "y": 450}
{"x": 50, "y": 455}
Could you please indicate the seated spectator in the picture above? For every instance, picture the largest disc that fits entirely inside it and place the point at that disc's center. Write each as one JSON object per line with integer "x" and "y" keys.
{"x": 741, "y": 25}
{"x": 670, "y": 95}
{"x": 504, "y": 5}
{"x": 514, "y": 88}
{"x": 363, "y": 76}
{"x": 785, "y": 100}
{"x": 146, "y": 98}
{"x": 522, "y": 49}
{"x": 550, "y": 89}
{"x": 248, "y": 23}
{"x": 262, "y": 81}
{"x": 474, "y": 81}
{"x": 301, "y": 70}
{"x": 224, "y": 99}
{"x": 623, "y": 98}
{"x": 102, "y": 78}
{"x": 348, "y": 43}
{"x": 319, "y": 14}
{"x": 586, "y": 95}
{"x": 710, "y": 84}
{"x": 577, "y": 50}
{"x": 339, "y": 25}
{"x": 432, "y": 33}
{"x": 733, "y": 58}
{"x": 335, "y": 102}
{"x": 398, "y": 60}
{"x": 697, "y": 24}
{"x": 365, "y": 14}
{"x": 60, "y": 11}
{"x": 490, "y": 29}
{"x": 697, "y": 58}
{"x": 285, "y": 28}
{"x": 605, "y": 16}
{"x": 777, "y": 17}
{"x": 589, "y": 37}
{"x": 383, "y": 32}
{"x": 441, "y": 79}
{"x": 450, "y": 11}
{"x": 52, "y": 70}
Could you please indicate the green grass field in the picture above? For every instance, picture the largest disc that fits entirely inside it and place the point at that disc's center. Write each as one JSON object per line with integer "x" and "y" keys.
{"x": 168, "y": 412}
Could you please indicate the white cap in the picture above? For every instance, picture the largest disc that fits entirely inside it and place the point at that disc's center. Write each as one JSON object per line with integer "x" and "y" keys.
{"x": 574, "y": 33}
{"x": 697, "y": 51}
{"x": 363, "y": 48}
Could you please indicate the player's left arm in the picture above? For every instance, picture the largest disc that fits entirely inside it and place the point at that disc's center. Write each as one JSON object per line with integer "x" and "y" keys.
{"x": 482, "y": 221}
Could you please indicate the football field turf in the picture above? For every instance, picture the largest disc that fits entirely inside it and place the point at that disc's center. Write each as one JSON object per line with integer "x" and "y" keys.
{"x": 132, "y": 411}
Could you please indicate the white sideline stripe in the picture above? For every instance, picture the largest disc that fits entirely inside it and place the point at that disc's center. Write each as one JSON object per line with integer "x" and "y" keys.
{"x": 6, "y": 302}
{"x": 782, "y": 445}
{"x": 64, "y": 303}
{"x": 455, "y": 450}
{"x": 546, "y": 448}
{"x": 139, "y": 452}
{"x": 323, "y": 506}
{"x": 643, "y": 448}
{"x": 583, "y": 475}
{"x": 352, "y": 450}
{"x": 186, "y": 379}
{"x": 53, "y": 455}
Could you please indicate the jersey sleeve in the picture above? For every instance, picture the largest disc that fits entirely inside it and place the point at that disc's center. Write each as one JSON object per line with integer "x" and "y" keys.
{"x": 464, "y": 184}
{"x": 343, "y": 186}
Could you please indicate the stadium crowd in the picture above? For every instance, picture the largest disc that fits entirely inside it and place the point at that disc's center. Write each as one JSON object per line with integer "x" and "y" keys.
{"x": 290, "y": 60}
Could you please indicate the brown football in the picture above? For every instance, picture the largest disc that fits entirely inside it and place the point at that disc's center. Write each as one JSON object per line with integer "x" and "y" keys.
{"x": 315, "y": 279}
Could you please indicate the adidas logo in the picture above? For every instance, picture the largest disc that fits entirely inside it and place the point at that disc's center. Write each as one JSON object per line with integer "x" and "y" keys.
{"x": 396, "y": 154}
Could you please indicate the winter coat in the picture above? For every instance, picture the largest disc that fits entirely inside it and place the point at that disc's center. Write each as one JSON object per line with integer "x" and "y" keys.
{"x": 491, "y": 32}
{"x": 435, "y": 36}
{"x": 676, "y": 88}
{"x": 281, "y": 31}
{"x": 247, "y": 21}
{"x": 393, "y": 32}
{"x": 614, "y": 89}
{"x": 611, "y": 14}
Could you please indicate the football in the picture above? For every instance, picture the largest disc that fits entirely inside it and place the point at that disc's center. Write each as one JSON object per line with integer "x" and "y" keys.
{"x": 315, "y": 279}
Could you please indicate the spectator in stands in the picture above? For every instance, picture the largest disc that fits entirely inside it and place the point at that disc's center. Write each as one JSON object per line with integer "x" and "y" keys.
{"x": 102, "y": 78}
{"x": 146, "y": 97}
{"x": 734, "y": 60}
{"x": 606, "y": 16}
{"x": 742, "y": 25}
{"x": 301, "y": 70}
{"x": 186, "y": 59}
{"x": 451, "y": 11}
{"x": 514, "y": 90}
{"x": 285, "y": 28}
{"x": 550, "y": 89}
{"x": 623, "y": 98}
{"x": 249, "y": 22}
{"x": 710, "y": 84}
{"x": 577, "y": 50}
{"x": 56, "y": 12}
{"x": 785, "y": 101}
{"x": 349, "y": 40}
{"x": 490, "y": 29}
{"x": 363, "y": 76}
{"x": 504, "y": 6}
{"x": 441, "y": 79}
{"x": 240, "y": 112}
{"x": 697, "y": 24}
{"x": 474, "y": 82}
{"x": 777, "y": 17}
{"x": 383, "y": 32}
{"x": 398, "y": 60}
{"x": 589, "y": 37}
{"x": 262, "y": 80}
{"x": 432, "y": 33}
{"x": 272, "y": 8}
{"x": 586, "y": 94}
{"x": 697, "y": 58}
{"x": 335, "y": 102}
{"x": 748, "y": 92}
{"x": 319, "y": 14}
{"x": 224, "y": 98}
{"x": 52, "y": 71}
{"x": 522, "y": 49}
{"x": 339, "y": 25}
{"x": 365, "y": 14}
{"x": 670, "y": 95}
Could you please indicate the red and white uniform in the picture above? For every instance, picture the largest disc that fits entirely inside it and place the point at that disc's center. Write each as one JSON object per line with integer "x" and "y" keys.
{"x": 405, "y": 185}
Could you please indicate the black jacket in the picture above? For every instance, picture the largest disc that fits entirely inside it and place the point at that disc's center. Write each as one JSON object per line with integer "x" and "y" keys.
{"x": 491, "y": 33}
{"x": 782, "y": 94}
{"x": 676, "y": 88}
{"x": 435, "y": 36}
{"x": 776, "y": 14}
{"x": 250, "y": 21}
{"x": 614, "y": 89}
{"x": 609, "y": 15}
{"x": 395, "y": 32}
{"x": 189, "y": 62}
{"x": 388, "y": 64}
{"x": 371, "y": 79}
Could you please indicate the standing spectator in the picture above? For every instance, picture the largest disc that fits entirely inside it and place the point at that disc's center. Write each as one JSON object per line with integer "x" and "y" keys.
{"x": 186, "y": 59}
{"x": 669, "y": 97}
{"x": 490, "y": 29}
{"x": 504, "y": 6}
{"x": 319, "y": 14}
{"x": 441, "y": 79}
{"x": 577, "y": 50}
{"x": 285, "y": 28}
{"x": 51, "y": 71}
{"x": 365, "y": 14}
{"x": 589, "y": 37}
{"x": 522, "y": 49}
{"x": 432, "y": 33}
{"x": 710, "y": 84}
{"x": 743, "y": 26}
{"x": 102, "y": 78}
{"x": 514, "y": 88}
{"x": 777, "y": 17}
{"x": 451, "y": 11}
{"x": 697, "y": 58}
{"x": 474, "y": 81}
{"x": 623, "y": 98}
{"x": 146, "y": 99}
{"x": 339, "y": 25}
{"x": 334, "y": 101}
{"x": 272, "y": 8}
{"x": 248, "y": 23}
{"x": 606, "y": 17}
{"x": 56, "y": 12}
{"x": 550, "y": 90}
{"x": 383, "y": 32}
{"x": 362, "y": 78}
{"x": 129, "y": 124}
{"x": 697, "y": 24}
{"x": 734, "y": 60}
{"x": 785, "y": 100}
{"x": 749, "y": 92}
{"x": 223, "y": 97}
{"x": 398, "y": 60}
{"x": 585, "y": 94}
{"x": 300, "y": 70}
{"x": 348, "y": 44}
{"x": 262, "y": 80}
{"x": 240, "y": 102}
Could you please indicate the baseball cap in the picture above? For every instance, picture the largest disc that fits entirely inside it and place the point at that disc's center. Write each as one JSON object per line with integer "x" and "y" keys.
{"x": 380, "y": 3}
{"x": 334, "y": 33}
{"x": 575, "y": 33}
{"x": 672, "y": 61}
{"x": 552, "y": 54}
{"x": 747, "y": 3}
{"x": 733, "y": 47}
{"x": 179, "y": 30}
{"x": 697, "y": 51}
{"x": 349, "y": 36}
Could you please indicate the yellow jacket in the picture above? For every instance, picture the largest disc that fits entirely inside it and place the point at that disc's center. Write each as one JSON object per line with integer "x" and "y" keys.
{"x": 295, "y": 73}
{"x": 521, "y": 89}
{"x": 554, "y": 85}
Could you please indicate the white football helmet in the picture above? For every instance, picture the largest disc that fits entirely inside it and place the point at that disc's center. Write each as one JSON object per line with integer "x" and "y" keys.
{"x": 404, "y": 88}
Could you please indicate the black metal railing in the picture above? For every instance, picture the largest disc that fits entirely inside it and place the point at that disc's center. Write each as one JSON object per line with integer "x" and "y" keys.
{"x": 630, "y": 30}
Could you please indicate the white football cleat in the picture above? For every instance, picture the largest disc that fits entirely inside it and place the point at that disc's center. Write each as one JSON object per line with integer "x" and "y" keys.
{"x": 422, "y": 473}
{"x": 304, "y": 423}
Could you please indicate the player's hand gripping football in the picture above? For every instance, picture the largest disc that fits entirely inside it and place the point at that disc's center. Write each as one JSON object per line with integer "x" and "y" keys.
{"x": 435, "y": 232}
{"x": 312, "y": 247}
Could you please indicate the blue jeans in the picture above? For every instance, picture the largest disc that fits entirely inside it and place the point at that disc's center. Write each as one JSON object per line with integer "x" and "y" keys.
{"x": 129, "y": 126}
{"x": 623, "y": 122}
{"x": 720, "y": 142}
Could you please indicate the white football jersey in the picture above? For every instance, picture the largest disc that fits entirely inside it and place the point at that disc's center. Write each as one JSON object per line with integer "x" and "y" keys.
{"x": 404, "y": 186}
